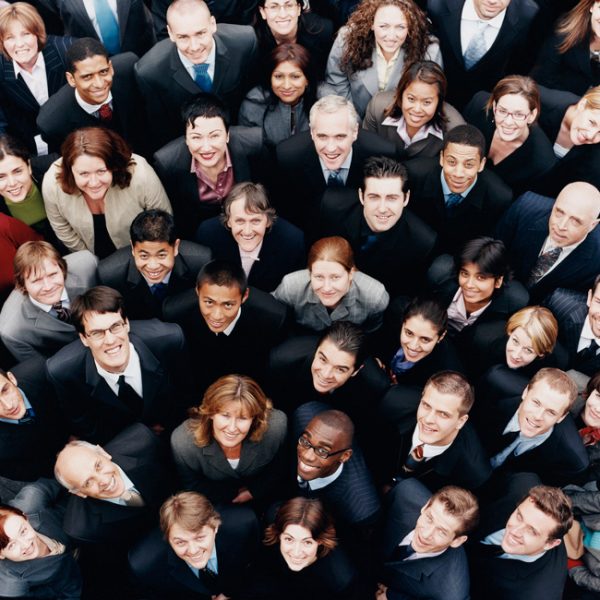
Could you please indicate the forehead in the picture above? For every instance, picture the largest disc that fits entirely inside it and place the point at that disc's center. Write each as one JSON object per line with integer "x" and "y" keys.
{"x": 297, "y": 532}
{"x": 461, "y": 152}
{"x": 238, "y": 209}
{"x": 13, "y": 525}
{"x": 85, "y": 162}
{"x": 15, "y": 25}
{"x": 179, "y": 532}
{"x": 194, "y": 19}
{"x": 321, "y": 434}
{"x": 287, "y": 66}
{"x": 5, "y": 380}
{"x": 95, "y": 320}
{"x": 11, "y": 162}
{"x": 38, "y": 269}
{"x": 334, "y": 355}
{"x": 440, "y": 401}
{"x": 79, "y": 462}
{"x": 577, "y": 205}
{"x": 549, "y": 398}
{"x": 421, "y": 89}
{"x": 419, "y": 324}
{"x": 383, "y": 185}
{"x": 441, "y": 517}
{"x": 221, "y": 293}
{"x": 153, "y": 247}
{"x": 389, "y": 13}
{"x": 91, "y": 64}
{"x": 534, "y": 517}
{"x": 513, "y": 102}
{"x": 335, "y": 123}
{"x": 327, "y": 267}
{"x": 473, "y": 269}
{"x": 232, "y": 407}
{"x": 206, "y": 125}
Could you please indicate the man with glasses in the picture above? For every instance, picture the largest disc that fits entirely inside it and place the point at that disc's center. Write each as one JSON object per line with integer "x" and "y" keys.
{"x": 109, "y": 378}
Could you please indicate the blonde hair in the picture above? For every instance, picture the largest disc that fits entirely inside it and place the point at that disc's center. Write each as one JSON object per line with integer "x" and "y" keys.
{"x": 189, "y": 510}
{"x": 539, "y": 324}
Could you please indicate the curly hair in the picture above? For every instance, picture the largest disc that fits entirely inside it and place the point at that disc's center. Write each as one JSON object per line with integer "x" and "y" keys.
{"x": 360, "y": 41}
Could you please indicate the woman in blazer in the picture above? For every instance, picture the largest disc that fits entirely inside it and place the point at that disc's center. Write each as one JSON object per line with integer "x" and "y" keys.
{"x": 369, "y": 54}
{"x": 93, "y": 193}
{"x": 230, "y": 449}
{"x": 331, "y": 289}
{"x": 415, "y": 116}
{"x": 518, "y": 150}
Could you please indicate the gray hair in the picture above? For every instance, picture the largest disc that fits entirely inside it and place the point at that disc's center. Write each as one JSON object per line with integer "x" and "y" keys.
{"x": 74, "y": 444}
{"x": 332, "y": 104}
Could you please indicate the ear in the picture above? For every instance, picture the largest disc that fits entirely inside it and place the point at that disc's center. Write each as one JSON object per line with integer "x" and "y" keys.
{"x": 458, "y": 541}
{"x": 552, "y": 544}
{"x": 442, "y": 336}
{"x": 176, "y": 247}
{"x": 84, "y": 340}
{"x": 406, "y": 198}
{"x": 581, "y": 104}
{"x": 11, "y": 378}
{"x": 499, "y": 281}
{"x": 103, "y": 452}
{"x": 524, "y": 394}
{"x": 110, "y": 68}
{"x": 171, "y": 37}
{"x": 213, "y": 25}
{"x": 589, "y": 299}
{"x": 346, "y": 455}
{"x": 77, "y": 493}
{"x": 70, "y": 79}
{"x": 355, "y": 133}
{"x": 132, "y": 247}
{"x": 533, "y": 116}
{"x": 481, "y": 165}
{"x": 441, "y": 158}
{"x": 245, "y": 296}
{"x": 593, "y": 224}
{"x": 461, "y": 421}
{"x": 357, "y": 370}
{"x": 360, "y": 196}
{"x": 127, "y": 325}
{"x": 262, "y": 12}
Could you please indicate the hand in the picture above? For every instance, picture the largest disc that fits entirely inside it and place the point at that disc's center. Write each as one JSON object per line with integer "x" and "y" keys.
{"x": 244, "y": 495}
{"x": 381, "y": 593}
{"x": 387, "y": 371}
{"x": 157, "y": 428}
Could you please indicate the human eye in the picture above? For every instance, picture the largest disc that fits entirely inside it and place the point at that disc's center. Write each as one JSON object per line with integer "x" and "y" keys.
{"x": 528, "y": 350}
{"x": 286, "y": 538}
{"x": 255, "y": 221}
{"x": 309, "y": 543}
{"x": 425, "y": 340}
{"x": 536, "y": 402}
{"x": 104, "y": 72}
{"x": 84, "y": 173}
{"x": 11, "y": 546}
{"x": 444, "y": 415}
{"x": 408, "y": 332}
{"x": 18, "y": 170}
{"x": 341, "y": 136}
{"x": 463, "y": 273}
{"x": 469, "y": 164}
{"x": 208, "y": 302}
{"x": 427, "y": 102}
{"x": 552, "y": 413}
{"x": 162, "y": 255}
{"x": 451, "y": 162}
{"x": 341, "y": 370}
{"x": 229, "y": 305}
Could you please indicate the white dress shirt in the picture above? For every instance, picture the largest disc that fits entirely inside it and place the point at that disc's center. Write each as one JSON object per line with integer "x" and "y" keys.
{"x": 132, "y": 373}
{"x": 471, "y": 22}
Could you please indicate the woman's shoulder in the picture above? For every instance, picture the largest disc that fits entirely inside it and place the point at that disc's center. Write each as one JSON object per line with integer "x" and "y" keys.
{"x": 259, "y": 95}
{"x": 368, "y": 284}
{"x": 379, "y": 102}
{"x": 182, "y": 435}
{"x": 296, "y": 280}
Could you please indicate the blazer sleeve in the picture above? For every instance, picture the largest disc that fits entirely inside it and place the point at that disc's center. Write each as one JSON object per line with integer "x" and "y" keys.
{"x": 154, "y": 195}
{"x": 252, "y": 110}
{"x": 291, "y": 291}
{"x": 434, "y": 52}
{"x": 336, "y": 81}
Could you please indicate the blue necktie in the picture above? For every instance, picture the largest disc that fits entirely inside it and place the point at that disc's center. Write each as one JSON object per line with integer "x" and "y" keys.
{"x": 453, "y": 200}
{"x": 476, "y": 48}
{"x": 108, "y": 25}
{"x": 335, "y": 179}
{"x": 202, "y": 78}
{"x": 159, "y": 290}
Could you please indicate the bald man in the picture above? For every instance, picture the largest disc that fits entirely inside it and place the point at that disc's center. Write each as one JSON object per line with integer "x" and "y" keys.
{"x": 198, "y": 56}
{"x": 554, "y": 243}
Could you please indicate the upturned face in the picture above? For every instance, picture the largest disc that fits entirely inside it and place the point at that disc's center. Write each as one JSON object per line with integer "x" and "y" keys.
{"x": 419, "y": 103}
{"x": 331, "y": 367}
{"x": 418, "y": 338}
{"x": 288, "y": 82}
{"x": 192, "y": 32}
{"x": 439, "y": 418}
{"x": 247, "y": 228}
{"x": 298, "y": 547}
{"x": 12, "y": 405}
{"x": 207, "y": 141}
{"x": 107, "y": 337}
{"x": 230, "y": 425}
{"x": 436, "y": 529}
{"x": 219, "y": 305}
{"x": 92, "y": 78}
{"x": 23, "y": 541}
{"x": 390, "y": 28}
{"x": 461, "y": 164}
{"x": 194, "y": 547}
{"x": 92, "y": 177}
{"x": 46, "y": 283}
{"x": 519, "y": 349}
{"x": 330, "y": 282}
{"x": 281, "y": 17}
{"x": 383, "y": 202}
{"x": 513, "y": 117}
{"x": 155, "y": 260}
{"x": 21, "y": 44}
{"x": 333, "y": 136}
{"x": 541, "y": 408}
{"x": 15, "y": 178}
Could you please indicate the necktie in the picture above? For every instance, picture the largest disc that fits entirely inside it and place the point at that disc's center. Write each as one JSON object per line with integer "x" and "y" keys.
{"x": 368, "y": 242}
{"x": 62, "y": 313}
{"x": 586, "y": 355}
{"x": 132, "y": 498}
{"x": 159, "y": 291}
{"x": 401, "y": 552}
{"x": 542, "y": 265}
{"x": 400, "y": 364}
{"x": 452, "y": 201}
{"x": 335, "y": 179}
{"x": 129, "y": 397}
{"x": 209, "y": 578}
{"x": 513, "y": 441}
{"x": 476, "y": 48}
{"x": 202, "y": 78}
{"x": 414, "y": 460}
{"x": 27, "y": 418}
{"x": 105, "y": 113}
{"x": 109, "y": 28}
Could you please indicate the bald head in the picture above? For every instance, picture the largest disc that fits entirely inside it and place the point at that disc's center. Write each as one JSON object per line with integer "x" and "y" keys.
{"x": 339, "y": 422}
{"x": 191, "y": 28}
{"x": 186, "y": 7}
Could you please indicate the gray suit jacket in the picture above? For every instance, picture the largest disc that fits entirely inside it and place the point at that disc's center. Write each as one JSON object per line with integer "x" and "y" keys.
{"x": 27, "y": 330}
{"x": 361, "y": 86}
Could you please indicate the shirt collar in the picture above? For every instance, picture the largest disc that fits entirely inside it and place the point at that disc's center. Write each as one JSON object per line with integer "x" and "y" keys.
{"x": 321, "y": 482}
{"x": 513, "y": 426}
{"x": 429, "y": 451}
{"x": 210, "y": 60}
{"x": 91, "y": 109}
{"x": 40, "y": 63}
{"x": 380, "y": 54}
{"x": 459, "y": 299}
{"x": 127, "y": 486}
{"x": 550, "y": 245}
{"x": 254, "y": 254}
{"x": 27, "y": 407}
{"x": 496, "y": 539}
{"x": 586, "y": 331}
{"x": 470, "y": 14}
{"x": 165, "y": 280}
{"x": 132, "y": 369}
{"x": 64, "y": 298}
{"x": 426, "y": 130}
{"x": 233, "y": 323}
{"x": 446, "y": 189}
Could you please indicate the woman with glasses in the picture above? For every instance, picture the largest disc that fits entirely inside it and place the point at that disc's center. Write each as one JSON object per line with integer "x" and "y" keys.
{"x": 518, "y": 150}
{"x": 231, "y": 447}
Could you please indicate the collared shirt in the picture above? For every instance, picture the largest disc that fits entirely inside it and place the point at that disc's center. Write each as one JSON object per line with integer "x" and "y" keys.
{"x": 128, "y": 485}
{"x": 422, "y": 134}
{"x": 470, "y": 24}
{"x": 566, "y": 250}
{"x": 210, "y": 61}
{"x": 457, "y": 313}
{"x": 408, "y": 538}
{"x": 384, "y": 67}
{"x": 525, "y": 443}
{"x": 209, "y": 191}
{"x": 429, "y": 451}
{"x": 132, "y": 373}
{"x": 343, "y": 170}
{"x": 249, "y": 258}
{"x": 91, "y": 13}
{"x": 447, "y": 191}
{"x": 165, "y": 280}
{"x": 321, "y": 482}
{"x": 212, "y": 564}
{"x": 587, "y": 335}
{"x": 496, "y": 539}
{"x": 64, "y": 298}
{"x": 227, "y": 331}
{"x": 92, "y": 109}
{"x": 27, "y": 407}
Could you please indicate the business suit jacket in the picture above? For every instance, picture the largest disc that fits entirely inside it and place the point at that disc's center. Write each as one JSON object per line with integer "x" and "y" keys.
{"x": 443, "y": 577}
{"x": 173, "y": 164}
{"x": 93, "y": 411}
{"x": 139, "y": 453}
{"x": 362, "y": 85}
{"x": 157, "y": 568}
{"x": 165, "y": 84}
{"x": 498, "y": 60}
{"x": 18, "y": 103}
{"x": 61, "y": 114}
{"x": 206, "y": 469}
{"x": 398, "y": 258}
{"x": 283, "y": 251}
{"x": 524, "y": 229}
{"x": 27, "y": 330}
{"x": 475, "y": 216}
{"x": 301, "y": 184}
{"x": 118, "y": 271}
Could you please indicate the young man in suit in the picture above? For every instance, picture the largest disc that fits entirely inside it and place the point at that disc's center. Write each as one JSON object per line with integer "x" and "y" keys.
{"x": 35, "y": 319}
{"x": 198, "y": 56}
{"x": 554, "y": 243}
{"x": 157, "y": 267}
{"x": 422, "y": 545}
{"x": 455, "y": 195}
{"x": 109, "y": 378}
{"x": 197, "y": 550}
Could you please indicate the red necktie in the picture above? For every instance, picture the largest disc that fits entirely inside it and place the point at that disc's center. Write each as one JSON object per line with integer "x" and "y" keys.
{"x": 105, "y": 113}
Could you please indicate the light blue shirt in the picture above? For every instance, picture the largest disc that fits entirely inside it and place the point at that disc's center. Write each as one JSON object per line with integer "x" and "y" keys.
{"x": 210, "y": 61}
{"x": 343, "y": 170}
{"x": 211, "y": 565}
{"x": 496, "y": 538}
{"x": 321, "y": 482}
{"x": 27, "y": 407}
{"x": 447, "y": 191}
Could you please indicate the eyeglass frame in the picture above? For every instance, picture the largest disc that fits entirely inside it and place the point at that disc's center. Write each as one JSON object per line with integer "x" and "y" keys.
{"x": 99, "y": 334}
{"x": 510, "y": 114}
{"x": 318, "y": 450}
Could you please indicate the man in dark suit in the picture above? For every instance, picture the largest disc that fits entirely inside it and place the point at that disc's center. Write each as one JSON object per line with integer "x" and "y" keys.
{"x": 519, "y": 554}
{"x": 480, "y": 41}
{"x": 100, "y": 92}
{"x": 423, "y": 535}
{"x": 229, "y": 328}
{"x": 109, "y": 379}
{"x": 188, "y": 166}
{"x": 455, "y": 195}
{"x": 197, "y": 551}
{"x": 554, "y": 243}
{"x": 197, "y": 57}
{"x": 332, "y": 154}
{"x": 389, "y": 242}
{"x": 157, "y": 267}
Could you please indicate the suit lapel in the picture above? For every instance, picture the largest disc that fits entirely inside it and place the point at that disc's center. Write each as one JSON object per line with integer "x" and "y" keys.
{"x": 18, "y": 87}
{"x": 55, "y": 69}
{"x": 215, "y": 456}
{"x": 98, "y": 387}
{"x": 368, "y": 77}
{"x": 152, "y": 373}
{"x": 179, "y": 570}
{"x": 80, "y": 16}
{"x": 43, "y": 320}
{"x": 453, "y": 17}
{"x": 222, "y": 61}
{"x": 180, "y": 74}
{"x": 123, "y": 7}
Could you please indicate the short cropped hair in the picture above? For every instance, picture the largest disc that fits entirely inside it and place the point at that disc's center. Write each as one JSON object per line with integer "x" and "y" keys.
{"x": 153, "y": 225}
{"x": 190, "y": 510}
{"x": 461, "y": 504}
{"x": 346, "y": 337}
{"x": 332, "y": 104}
{"x": 466, "y": 135}
{"x": 558, "y": 381}
{"x": 101, "y": 299}
{"x": 30, "y": 257}
{"x": 222, "y": 273}
{"x": 539, "y": 324}
{"x": 338, "y": 421}
{"x": 382, "y": 167}
{"x": 554, "y": 503}
{"x": 452, "y": 382}
{"x": 83, "y": 48}
{"x": 206, "y": 106}
{"x": 256, "y": 201}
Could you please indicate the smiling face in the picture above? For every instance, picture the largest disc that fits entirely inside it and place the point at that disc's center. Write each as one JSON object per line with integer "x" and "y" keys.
{"x": 436, "y": 529}
{"x": 219, "y": 305}
{"x": 419, "y": 103}
{"x": 461, "y": 164}
{"x": 528, "y": 531}
{"x": 390, "y": 28}
{"x": 12, "y": 405}
{"x": 594, "y": 19}
{"x": 519, "y": 349}
{"x": 110, "y": 350}
{"x": 573, "y": 216}
{"x": 288, "y": 82}
{"x": 330, "y": 281}
{"x": 247, "y": 228}
{"x": 192, "y": 32}
{"x": 298, "y": 547}
{"x": 438, "y": 417}
{"x": 418, "y": 338}
{"x": 92, "y": 177}
{"x": 23, "y": 541}
{"x": 541, "y": 408}
{"x": 513, "y": 117}
{"x": 15, "y": 178}
{"x": 46, "y": 283}
{"x": 488, "y": 9}
{"x": 383, "y": 201}
{"x": 155, "y": 260}
{"x": 92, "y": 79}
{"x": 282, "y": 18}
{"x": 333, "y": 136}
{"x": 593, "y": 302}
{"x": 231, "y": 425}
{"x": 21, "y": 45}
{"x": 194, "y": 547}
{"x": 207, "y": 141}
{"x": 585, "y": 126}
{"x": 477, "y": 287}
{"x": 331, "y": 367}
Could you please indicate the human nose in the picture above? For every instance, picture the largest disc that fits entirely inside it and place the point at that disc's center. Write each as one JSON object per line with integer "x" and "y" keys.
{"x": 296, "y": 550}
{"x": 326, "y": 371}
{"x": 381, "y": 208}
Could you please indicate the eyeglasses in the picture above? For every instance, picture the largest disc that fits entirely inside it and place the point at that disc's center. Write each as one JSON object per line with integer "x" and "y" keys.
{"x": 318, "y": 450}
{"x": 99, "y": 334}
{"x": 288, "y": 7}
{"x": 502, "y": 113}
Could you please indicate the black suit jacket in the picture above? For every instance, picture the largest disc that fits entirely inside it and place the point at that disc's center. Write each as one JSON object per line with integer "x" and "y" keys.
{"x": 165, "y": 83}
{"x": 476, "y": 215}
{"x": 61, "y": 114}
{"x": 118, "y": 271}
{"x": 173, "y": 163}
{"x": 282, "y": 252}
{"x": 139, "y": 453}
{"x": 462, "y": 84}
{"x": 524, "y": 229}
{"x": 93, "y": 411}
{"x": 158, "y": 569}
{"x": 400, "y": 256}
{"x": 18, "y": 103}
{"x": 300, "y": 183}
